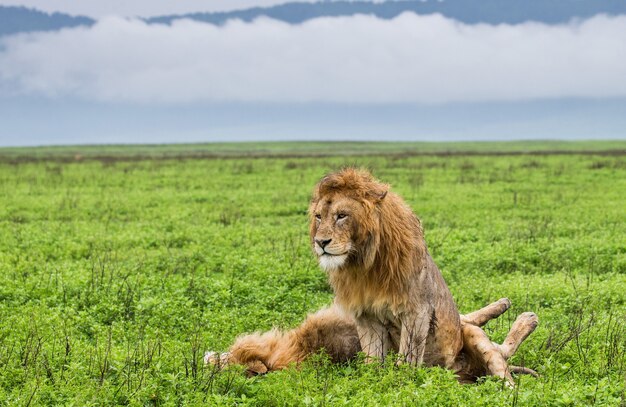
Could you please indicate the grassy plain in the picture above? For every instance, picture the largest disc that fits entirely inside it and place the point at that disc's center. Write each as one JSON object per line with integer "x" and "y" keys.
{"x": 117, "y": 274}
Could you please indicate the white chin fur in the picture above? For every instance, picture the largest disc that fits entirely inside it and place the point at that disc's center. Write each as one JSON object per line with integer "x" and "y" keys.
{"x": 330, "y": 263}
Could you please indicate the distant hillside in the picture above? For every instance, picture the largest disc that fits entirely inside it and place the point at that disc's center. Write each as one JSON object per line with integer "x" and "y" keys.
{"x": 19, "y": 19}
{"x": 467, "y": 11}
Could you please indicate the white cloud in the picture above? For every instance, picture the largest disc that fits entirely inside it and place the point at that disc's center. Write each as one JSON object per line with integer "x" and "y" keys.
{"x": 362, "y": 59}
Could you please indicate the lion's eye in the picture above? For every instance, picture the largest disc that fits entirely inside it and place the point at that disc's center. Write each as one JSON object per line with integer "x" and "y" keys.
{"x": 341, "y": 216}
{"x": 318, "y": 216}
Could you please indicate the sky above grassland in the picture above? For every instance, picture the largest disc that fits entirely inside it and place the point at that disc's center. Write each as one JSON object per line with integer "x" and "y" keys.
{"x": 269, "y": 79}
{"x": 143, "y": 8}
{"x": 360, "y": 59}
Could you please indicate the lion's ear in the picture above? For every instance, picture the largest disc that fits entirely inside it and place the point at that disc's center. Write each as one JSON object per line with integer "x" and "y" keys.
{"x": 379, "y": 192}
{"x": 256, "y": 368}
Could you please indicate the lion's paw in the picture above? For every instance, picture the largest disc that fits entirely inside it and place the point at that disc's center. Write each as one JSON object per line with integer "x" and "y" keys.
{"x": 216, "y": 358}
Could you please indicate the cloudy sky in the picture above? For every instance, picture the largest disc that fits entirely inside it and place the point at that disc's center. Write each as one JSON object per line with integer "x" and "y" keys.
{"x": 143, "y": 8}
{"x": 362, "y": 59}
{"x": 325, "y": 76}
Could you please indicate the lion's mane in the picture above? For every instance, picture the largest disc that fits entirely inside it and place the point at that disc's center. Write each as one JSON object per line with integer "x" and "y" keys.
{"x": 389, "y": 241}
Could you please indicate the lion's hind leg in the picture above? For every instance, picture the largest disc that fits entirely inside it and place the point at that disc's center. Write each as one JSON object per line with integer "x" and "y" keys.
{"x": 486, "y": 314}
{"x": 481, "y": 356}
{"x": 523, "y": 326}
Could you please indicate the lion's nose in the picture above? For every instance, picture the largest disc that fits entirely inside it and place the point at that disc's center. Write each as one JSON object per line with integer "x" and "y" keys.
{"x": 322, "y": 243}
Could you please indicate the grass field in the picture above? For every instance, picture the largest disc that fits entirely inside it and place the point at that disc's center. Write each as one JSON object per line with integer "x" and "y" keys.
{"x": 115, "y": 153}
{"x": 117, "y": 274}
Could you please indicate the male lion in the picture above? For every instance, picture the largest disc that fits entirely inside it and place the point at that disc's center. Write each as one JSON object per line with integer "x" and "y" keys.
{"x": 389, "y": 294}
{"x": 372, "y": 247}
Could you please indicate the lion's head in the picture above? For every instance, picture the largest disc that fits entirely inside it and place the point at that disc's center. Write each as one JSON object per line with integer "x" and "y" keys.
{"x": 355, "y": 221}
{"x": 344, "y": 217}
{"x": 365, "y": 237}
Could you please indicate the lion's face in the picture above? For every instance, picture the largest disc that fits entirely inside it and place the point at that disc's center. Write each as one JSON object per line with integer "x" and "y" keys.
{"x": 345, "y": 219}
{"x": 335, "y": 229}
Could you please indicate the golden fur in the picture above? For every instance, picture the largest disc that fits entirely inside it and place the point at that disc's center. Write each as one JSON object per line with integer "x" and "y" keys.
{"x": 389, "y": 294}
{"x": 335, "y": 332}
{"x": 328, "y": 329}
{"x": 386, "y": 278}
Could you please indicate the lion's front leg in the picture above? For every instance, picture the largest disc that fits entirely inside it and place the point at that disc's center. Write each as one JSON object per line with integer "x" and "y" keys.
{"x": 415, "y": 327}
{"x": 374, "y": 338}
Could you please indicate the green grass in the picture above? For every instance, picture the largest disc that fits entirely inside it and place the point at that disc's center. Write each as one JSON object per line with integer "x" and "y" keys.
{"x": 302, "y": 149}
{"x": 116, "y": 276}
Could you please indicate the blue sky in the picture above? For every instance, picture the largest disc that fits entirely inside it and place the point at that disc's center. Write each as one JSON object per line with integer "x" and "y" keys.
{"x": 359, "y": 77}
{"x": 143, "y": 8}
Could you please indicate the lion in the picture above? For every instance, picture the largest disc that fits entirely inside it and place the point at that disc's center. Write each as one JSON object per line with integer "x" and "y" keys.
{"x": 335, "y": 333}
{"x": 371, "y": 245}
{"x": 389, "y": 294}
{"x": 329, "y": 329}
